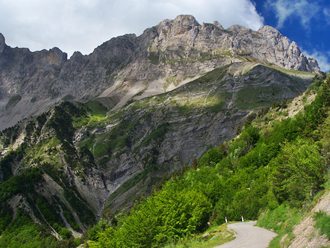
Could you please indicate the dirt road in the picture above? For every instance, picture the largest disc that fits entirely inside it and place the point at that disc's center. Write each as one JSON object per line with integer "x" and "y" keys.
{"x": 249, "y": 236}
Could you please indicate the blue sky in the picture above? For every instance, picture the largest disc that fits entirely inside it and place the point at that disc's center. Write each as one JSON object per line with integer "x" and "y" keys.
{"x": 82, "y": 25}
{"x": 306, "y": 22}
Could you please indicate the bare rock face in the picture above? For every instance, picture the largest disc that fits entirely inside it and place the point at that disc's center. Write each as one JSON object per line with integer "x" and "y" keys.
{"x": 41, "y": 79}
{"x": 184, "y": 23}
{"x": 266, "y": 45}
{"x": 285, "y": 53}
{"x": 127, "y": 68}
{"x": 2, "y": 43}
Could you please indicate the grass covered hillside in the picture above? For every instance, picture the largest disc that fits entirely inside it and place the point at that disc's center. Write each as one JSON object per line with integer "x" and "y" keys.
{"x": 273, "y": 169}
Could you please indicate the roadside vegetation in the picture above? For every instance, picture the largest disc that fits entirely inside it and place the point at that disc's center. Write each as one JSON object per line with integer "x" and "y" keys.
{"x": 213, "y": 236}
{"x": 271, "y": 173}
{"x": 323, "y": 223}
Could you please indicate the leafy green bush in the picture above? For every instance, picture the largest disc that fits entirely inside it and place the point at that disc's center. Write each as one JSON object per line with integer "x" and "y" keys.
{"x": 323, "y": 223}
{"x": 5, "y": 216}
{"x": 22, "y": 183}
{"x": 24, "y": 233}
{"x": 298, "y": 172}
{"x": 65, "y": 233}
{"x": 166, "y": 216}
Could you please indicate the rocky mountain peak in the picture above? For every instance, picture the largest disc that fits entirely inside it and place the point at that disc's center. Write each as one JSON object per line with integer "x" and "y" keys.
{"x": 2, "y": 42}
{"x": 269, "y": 30}
{"x": 238, "y": 28}
{"x": 184, "y": 36}
{"x": 179, "y": 25}
{"x": 76, "y": 55}
{"x": 218, "y": 25}
{"x": 186, "y": 21}
{"x": 56, "y": 56}
{"x": 57, "y": 51}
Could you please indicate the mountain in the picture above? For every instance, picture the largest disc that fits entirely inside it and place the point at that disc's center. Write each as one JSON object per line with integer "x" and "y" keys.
{"x": 87, "y": 137}
{"x": 161, "y": 59}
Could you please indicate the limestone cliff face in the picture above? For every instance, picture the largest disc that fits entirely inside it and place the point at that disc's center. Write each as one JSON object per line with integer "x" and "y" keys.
{"x": 266, "y": 45}
{"x": 127, "y": 68}
{"x": 41, "y": 79}
{"x": 283, "y": 52}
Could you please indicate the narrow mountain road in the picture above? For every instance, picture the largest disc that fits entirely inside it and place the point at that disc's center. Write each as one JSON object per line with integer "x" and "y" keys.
{"x": 249, "y": 236}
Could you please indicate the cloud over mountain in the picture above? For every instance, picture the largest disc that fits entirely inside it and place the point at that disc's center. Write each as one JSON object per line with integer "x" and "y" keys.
{"x": 84, "y": 24}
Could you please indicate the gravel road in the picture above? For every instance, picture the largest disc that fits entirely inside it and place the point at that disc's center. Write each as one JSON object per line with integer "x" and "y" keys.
{"x": 249, "y": 236}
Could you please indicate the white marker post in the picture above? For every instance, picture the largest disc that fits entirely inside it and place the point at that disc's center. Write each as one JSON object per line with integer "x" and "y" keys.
{"x": 226, "y": 220}
{"x": 242, "y": 218}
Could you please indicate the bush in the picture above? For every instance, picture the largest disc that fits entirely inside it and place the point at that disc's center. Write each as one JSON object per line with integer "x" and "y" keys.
{"x": 65, "y": 233}
{"x": 163, "y": 218}
{"x": 323, "y": 223}
{"x": 298, "y": 172}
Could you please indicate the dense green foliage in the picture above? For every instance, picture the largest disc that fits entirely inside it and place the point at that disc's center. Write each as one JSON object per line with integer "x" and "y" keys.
{"x": 277, "y": 169}
{"x": 22, "y": 183}
{"x": 92, "y": 113}
{"x": 323, "y": 223}
{"x": 7, "y": 160}
{"x": 23, "y": 233}
{"x": 298, "y": 171}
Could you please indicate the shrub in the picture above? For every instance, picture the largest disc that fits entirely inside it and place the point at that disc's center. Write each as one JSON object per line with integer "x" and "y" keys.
{"x": 323, "y": 223}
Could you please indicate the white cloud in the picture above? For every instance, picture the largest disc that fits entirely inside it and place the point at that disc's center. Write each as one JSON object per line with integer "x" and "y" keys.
{"x": 321, "y": 57}
{"x": 84, "y": 24}
{"x": 303, "y": 9}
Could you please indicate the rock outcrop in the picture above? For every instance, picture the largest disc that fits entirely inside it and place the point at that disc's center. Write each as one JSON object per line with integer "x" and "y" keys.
{"x": 2, "y": 43}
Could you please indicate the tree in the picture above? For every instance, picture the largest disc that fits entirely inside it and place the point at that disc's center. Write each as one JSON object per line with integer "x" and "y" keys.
{"x": 298, "y": 171}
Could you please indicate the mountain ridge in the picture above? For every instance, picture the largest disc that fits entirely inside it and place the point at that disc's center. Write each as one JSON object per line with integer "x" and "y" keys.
{"x": 158, "y": 60}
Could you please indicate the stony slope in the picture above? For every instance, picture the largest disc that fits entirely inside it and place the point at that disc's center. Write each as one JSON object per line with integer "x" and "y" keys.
{"x": 306, "y": 233}
{"x": 161, "y": 59}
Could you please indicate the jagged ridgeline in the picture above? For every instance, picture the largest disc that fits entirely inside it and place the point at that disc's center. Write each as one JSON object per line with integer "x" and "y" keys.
{"x": 109, "y": 127}
{"x": 132, "y": 67}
